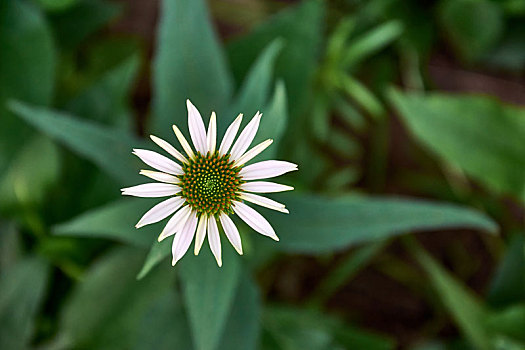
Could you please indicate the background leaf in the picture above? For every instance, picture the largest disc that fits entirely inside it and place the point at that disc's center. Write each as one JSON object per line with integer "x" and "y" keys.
{"x": 242, "y": 329}
{"x": 460, "y": 303}
{"x": 189, "y": 63}
{"x": 106, "y": 100}
{"x": 27, "y": 69}
{"x": 321, "y": 224}
{"x": 31, "y": 173}
{"x": 113, "y": 221}
{"x": 79, "y": 21}
{"x": 22, "y": 289}
{"x": 254, "y": 91}
{"x": 96, "y": 316}
{"x": 472, "y": 26}
{"x": 300, "y": 28}
{"x": 109, "y": 148}
{"x": 209, "y": 292}
{"x": 295, "y": 328}
{"x": 508, "y": 284}
{"x": 467, "y": 132}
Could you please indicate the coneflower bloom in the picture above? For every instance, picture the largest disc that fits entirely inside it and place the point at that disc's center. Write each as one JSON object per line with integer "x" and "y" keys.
{"x": 209, "y": 184}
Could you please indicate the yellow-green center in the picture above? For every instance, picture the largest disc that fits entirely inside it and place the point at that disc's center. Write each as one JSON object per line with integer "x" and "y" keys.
{"x": 210, "y": 183}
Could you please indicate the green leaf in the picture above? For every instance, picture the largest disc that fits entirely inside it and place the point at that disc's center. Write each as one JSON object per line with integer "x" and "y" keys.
{"x": 56, "y": 5}
{"x": 464, "y": 306}
{"x": 208, "y": 308}
{"x": 371, "y": 42}
{"x": 22, "y": 288}
{"x": 81, "y": 20}
{"x": 345, "y": 271}
{"x": 189, "y": 63}
{"x": 301, "y": 28}
{"x": 27, "y": 69}
{"x": 243, "y": 326}
{"x": 273, "y": 122}
{"x": 466, "y": 131}
{"x": 509, "y": 322}
{"x": 256, "y": 87}
{"x": 113, "y": 221}
{"x": 508, "y": 285}
{"x": 29, "y": 176}
{"x": 108, "y": 148}
{"x": 158, "y": 252}
{"x": 320, "y": 224}
{"x": 106, "y": 100}
{"x": 472, "y": 26}
{"x": 105, "y": 310}
{"x": 163, "y": 326}
{"x": 294, "y": 328}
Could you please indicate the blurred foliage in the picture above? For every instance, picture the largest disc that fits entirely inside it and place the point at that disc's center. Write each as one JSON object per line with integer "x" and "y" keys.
{"x": 76, "y": 274}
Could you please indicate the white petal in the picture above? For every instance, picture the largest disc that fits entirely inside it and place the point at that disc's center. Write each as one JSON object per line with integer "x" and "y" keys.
{"x": 176, "y": 223}
{"x": 151, "y": 190}
{"x": 201, "y": 233}
{"x": 158, "y": 161}
{"x": 264, "y": 187}
{"x": 253, "y": 152}
{"x": 161, "y": 211}
{"x": 161, "y": 177}
{"x": 168, "y": 148}
{"x": 214, "y": 240}
{"x": 231, "y": 232}
{"x": 254, "y": 220}
{"x": 197, "y": 130}
{"x": 183, "y": 239}
{"x": 266, "y": 169}
{"x": 211, "y": 136}
{"x": 246, "y": 137}
{"x": 264, "y": 202}
{"x": 229, "y": 135}
{"x": 185, "y": 145}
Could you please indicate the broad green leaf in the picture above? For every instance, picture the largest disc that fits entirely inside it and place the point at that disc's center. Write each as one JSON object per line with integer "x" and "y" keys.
{"x": 189, "y": 63}
{"x": 28, "y": 177}
{"x": 106, "y": 100}
{"x": 108, "y": 148}
{"x": 243, "y": 326}
{"x": 163, "y": 326}
{"x": 273, "y": 123}
{"x": 22, "y": 288}
{"x": 114, "y": 221}
{"x": 81, "y": 20}
{"x": 288, "y": 328}
{"x": 256, "y": 87}
{"x": 321, "y": 224}
{"x": 27, "y": 69}
{"x": 508, "y": 285}
{"x": 301, "y": 28}
{"x": 209, "y": 292}
{"x": 462, "y": 304}
{"x": 472, "y": 26}
{"x": 477, "y": 134}
{"x": 105, "y": 310}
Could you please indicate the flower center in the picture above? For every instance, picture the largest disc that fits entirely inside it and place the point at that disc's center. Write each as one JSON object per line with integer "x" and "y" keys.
{"x": 210, "y": 183}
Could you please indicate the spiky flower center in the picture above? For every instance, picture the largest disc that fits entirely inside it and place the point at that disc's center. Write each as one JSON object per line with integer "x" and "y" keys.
{"x": 210, "y": 183}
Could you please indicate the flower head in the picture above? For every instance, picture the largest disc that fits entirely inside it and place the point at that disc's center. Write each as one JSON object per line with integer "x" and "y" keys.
{"x": 209, "y": 184}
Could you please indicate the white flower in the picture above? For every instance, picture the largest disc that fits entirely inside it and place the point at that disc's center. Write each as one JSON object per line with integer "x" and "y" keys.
{"x": 209, "y": 184}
